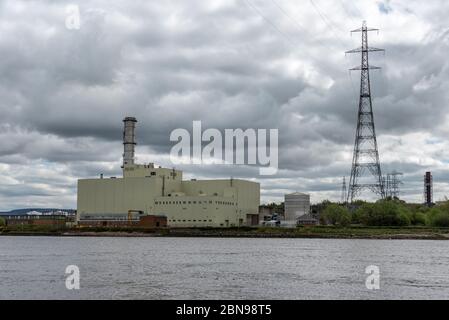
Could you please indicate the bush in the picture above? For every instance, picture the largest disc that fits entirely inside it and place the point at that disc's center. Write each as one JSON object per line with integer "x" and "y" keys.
{"x": 363, "y": 212}
{"x": 2, "y": 222}
{"x": 336, "y": 215}
{"x": 438, "y": 217}
{"x": 345, "y": 219}
{"x": 402, "y": 219}
{"x": 384, "y": 213}
{"x": 418, "y": 219}
{"x": 441, "y": 220}
{"x": 356, "y": 217}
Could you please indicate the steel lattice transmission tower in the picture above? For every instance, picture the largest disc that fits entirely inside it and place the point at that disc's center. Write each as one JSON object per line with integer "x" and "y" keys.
{"x": 392, "y": 184}
{"x": 366, "y": 154}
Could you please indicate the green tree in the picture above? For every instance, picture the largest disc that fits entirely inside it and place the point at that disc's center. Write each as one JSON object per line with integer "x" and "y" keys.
{"x": 2, "y": 222}
{"x": 418, "y": 219}
{"x": 384, "y": 213}
{"x": 439, "y": 217}
{"x": 345, "y": 218}
{"x": 356, "y": 218}
{"x": 364, "y": 213}
{"x": 336, "y": 215}
{"x": 441, "y": 220}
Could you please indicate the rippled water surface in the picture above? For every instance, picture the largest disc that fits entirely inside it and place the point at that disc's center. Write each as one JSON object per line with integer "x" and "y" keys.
{"x": 212, "y": 268}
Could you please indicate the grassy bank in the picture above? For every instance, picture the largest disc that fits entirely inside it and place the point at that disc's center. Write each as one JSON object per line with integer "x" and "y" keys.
{"x": 332, "y": 232}
{"x": 321, "y": 232}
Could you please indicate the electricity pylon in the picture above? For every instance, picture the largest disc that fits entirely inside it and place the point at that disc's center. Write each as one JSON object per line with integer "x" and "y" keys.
{"x": 366, "y": 154}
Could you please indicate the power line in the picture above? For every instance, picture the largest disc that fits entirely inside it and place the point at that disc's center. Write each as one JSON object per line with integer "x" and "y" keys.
{"x": 320, "y": 10}
{"x": 343, "y": 191}
{"x": 357, "y": 8}
{"x": 353, "y": 88}
{"x": 347, "y": 11}
{"x": 298, "y": 25}
{"x": 287, "y": 37}
{"x": 286, "y": 14}
{"x": 327, "y": 22}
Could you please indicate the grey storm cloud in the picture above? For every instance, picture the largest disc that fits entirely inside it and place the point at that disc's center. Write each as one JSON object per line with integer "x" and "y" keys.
{"x": 231, "y": 64}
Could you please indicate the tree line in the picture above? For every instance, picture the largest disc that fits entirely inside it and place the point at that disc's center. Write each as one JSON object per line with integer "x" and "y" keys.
{"x": 388, "y": 212}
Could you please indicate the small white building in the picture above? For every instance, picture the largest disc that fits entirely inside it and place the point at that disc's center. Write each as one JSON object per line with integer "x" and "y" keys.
{"x": 296, "y": 205}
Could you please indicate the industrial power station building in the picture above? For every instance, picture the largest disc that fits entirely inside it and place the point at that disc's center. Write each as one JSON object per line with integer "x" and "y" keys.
{"x": 148, "y": 190}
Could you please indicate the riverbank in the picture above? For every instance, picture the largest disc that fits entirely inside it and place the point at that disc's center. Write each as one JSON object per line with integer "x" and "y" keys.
{"x": 325, "y": 232}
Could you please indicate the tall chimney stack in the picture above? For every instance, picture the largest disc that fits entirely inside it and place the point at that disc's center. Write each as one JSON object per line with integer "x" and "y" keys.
{"x": 129, "y": 141}
{"x": 428, "y": 189}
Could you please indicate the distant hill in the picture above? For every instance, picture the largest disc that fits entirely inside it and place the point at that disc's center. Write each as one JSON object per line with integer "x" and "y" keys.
{"x": 40, "y": 210}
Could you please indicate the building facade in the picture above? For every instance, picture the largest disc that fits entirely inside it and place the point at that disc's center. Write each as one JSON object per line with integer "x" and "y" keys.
{"x": 148, "y": 221}
{"x": 296, "y": 205}
{"x": 37, "y": 220}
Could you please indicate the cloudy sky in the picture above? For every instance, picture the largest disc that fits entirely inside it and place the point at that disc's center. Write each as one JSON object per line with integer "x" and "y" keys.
{"x": 229, "y": 63}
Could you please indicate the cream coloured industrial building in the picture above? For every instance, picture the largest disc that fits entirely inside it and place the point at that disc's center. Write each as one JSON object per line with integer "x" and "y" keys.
{"x": 161, "y": 191}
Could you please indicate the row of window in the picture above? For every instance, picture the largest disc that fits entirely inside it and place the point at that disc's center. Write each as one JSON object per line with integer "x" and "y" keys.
{"x": 225, "y": 203}
{"x": 189, "y": 220}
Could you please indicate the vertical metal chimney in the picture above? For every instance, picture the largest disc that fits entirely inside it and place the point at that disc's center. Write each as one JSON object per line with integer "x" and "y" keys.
{"x": 129, "y": 141}
{"x": 428, "y": 189}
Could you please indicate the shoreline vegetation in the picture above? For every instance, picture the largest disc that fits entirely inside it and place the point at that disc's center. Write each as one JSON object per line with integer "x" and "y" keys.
{"x": 324, "y": 232}
{"x": 384, "y": 219}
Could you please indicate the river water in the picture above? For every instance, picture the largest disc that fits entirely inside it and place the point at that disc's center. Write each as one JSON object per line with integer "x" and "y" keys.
{"x": 213, "y": 268}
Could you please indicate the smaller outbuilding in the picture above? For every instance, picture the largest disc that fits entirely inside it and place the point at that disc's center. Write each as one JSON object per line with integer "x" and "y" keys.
{"x": 307, "y": 220}
{"x": 153, "y": 221}
{"x": 36, "y": 220}
{"x": 145, "y": 221}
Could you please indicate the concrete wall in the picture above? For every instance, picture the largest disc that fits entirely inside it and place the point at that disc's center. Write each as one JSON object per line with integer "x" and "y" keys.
{"x": 110, "y": 197}
{"x": 296, "y": 205}
{"x": 199, "y": 211}
{"x": 246, "y": 193}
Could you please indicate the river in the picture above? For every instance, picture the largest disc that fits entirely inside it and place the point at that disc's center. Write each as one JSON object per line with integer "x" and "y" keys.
{"x": 214, "y": 268}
